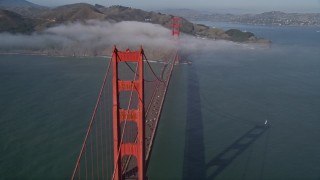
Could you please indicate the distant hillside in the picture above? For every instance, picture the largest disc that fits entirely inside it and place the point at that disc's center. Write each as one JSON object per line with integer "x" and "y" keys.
{"x": 23, "y": 7}
{"x": 73, "y": 12}
{"x": 83, "y": 11}
{"x": 15, "y": 23}
{"x": 17, "y": 3}
{"x": 121, "y": 13}
{"x": 40, "y": 18}
{"x": 186, "y": 13}
{"x": 276, "y": 18}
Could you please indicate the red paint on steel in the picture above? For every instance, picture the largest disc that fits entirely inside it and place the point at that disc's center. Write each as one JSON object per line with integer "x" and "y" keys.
{"x": 176, "y": 34}
{"x": 176, "y": 27}
{"x": 115, "y": 122}
{"x": 101, "y": 144}
{"x": 97, "y": 150}
{"x": 122, "y": 149}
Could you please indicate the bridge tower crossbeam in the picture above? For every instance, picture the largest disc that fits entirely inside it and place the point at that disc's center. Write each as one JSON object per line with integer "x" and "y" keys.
{"x": 137, "y": 148}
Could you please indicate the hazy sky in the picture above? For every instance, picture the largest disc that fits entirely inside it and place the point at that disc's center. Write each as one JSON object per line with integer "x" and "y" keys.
{"x": 236, "y": 5}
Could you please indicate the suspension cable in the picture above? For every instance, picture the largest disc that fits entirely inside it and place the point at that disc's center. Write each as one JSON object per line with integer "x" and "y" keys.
{"x": 152, "y": 69}
{"x": 157, "y": 78}
{"x": 91, "y": 121}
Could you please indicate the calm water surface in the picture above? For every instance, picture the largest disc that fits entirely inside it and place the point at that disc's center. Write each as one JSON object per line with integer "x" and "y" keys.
{"x": 224, "y": 97}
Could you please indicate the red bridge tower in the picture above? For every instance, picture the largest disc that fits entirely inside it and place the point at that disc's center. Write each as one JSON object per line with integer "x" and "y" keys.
{"x": 123, "y": 116}
{"x": 176, "y": 35}
{"x": 176, "y": 27}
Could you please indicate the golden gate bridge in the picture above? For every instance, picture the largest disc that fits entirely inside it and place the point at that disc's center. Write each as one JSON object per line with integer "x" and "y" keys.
{"x": 121, "y": 133}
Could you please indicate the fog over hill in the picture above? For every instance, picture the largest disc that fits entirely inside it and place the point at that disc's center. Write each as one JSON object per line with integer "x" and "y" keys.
{"x": 90, "y": 38}
{"x": 82, "y": 29}
{"x": 15, "y": 23}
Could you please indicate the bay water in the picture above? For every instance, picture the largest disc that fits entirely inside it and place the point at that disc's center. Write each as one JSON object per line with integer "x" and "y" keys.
{"x": 225, "y": 95}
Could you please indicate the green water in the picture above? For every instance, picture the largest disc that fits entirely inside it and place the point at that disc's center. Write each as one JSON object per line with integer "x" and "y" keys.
{"x": 226, "y": 93}
{"x": 45, "y": 107}
{"x": 231, "y": 94}
{"x": 46, "y": 104}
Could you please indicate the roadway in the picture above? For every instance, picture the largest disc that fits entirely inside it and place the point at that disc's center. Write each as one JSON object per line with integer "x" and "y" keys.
{"x": 152, "y": 114}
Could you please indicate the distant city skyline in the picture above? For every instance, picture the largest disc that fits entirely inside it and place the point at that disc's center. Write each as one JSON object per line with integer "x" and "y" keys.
{"x": 236, "y": 6}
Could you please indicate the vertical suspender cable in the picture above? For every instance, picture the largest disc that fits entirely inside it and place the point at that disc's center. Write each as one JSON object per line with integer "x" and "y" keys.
{"x": 91, "y": 121}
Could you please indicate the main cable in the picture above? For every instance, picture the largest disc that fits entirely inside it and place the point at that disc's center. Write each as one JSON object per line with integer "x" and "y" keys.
{"x": 91, "y": 121}
{"x": 152, "y": 69}
{"x": 157, "y": 78}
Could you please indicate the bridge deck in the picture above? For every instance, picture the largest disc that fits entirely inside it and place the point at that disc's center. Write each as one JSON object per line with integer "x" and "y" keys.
{"x": 152, "y": 115}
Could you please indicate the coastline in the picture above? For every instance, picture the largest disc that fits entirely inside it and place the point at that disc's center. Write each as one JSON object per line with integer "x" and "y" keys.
{"x": 47, "y": 55}
{"x": 58, "y": 56}
{"x": 104, "y": 54}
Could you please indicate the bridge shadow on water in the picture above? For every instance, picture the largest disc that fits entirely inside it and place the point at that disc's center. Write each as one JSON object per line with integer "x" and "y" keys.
{"x": 229, "y": 154}
{"x": 194, "y": 154}
{"x": 194, "y": 165}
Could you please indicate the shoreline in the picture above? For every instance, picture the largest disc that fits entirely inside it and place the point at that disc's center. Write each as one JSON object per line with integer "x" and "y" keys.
{"x": 252, "y": 24}
{"x": 102, "y": 56}
{"x": 43, "y": 54}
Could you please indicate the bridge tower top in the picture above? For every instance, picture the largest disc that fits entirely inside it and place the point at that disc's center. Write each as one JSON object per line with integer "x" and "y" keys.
{"x": 176, "y": 34}
{"x": 176, "y": 27}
